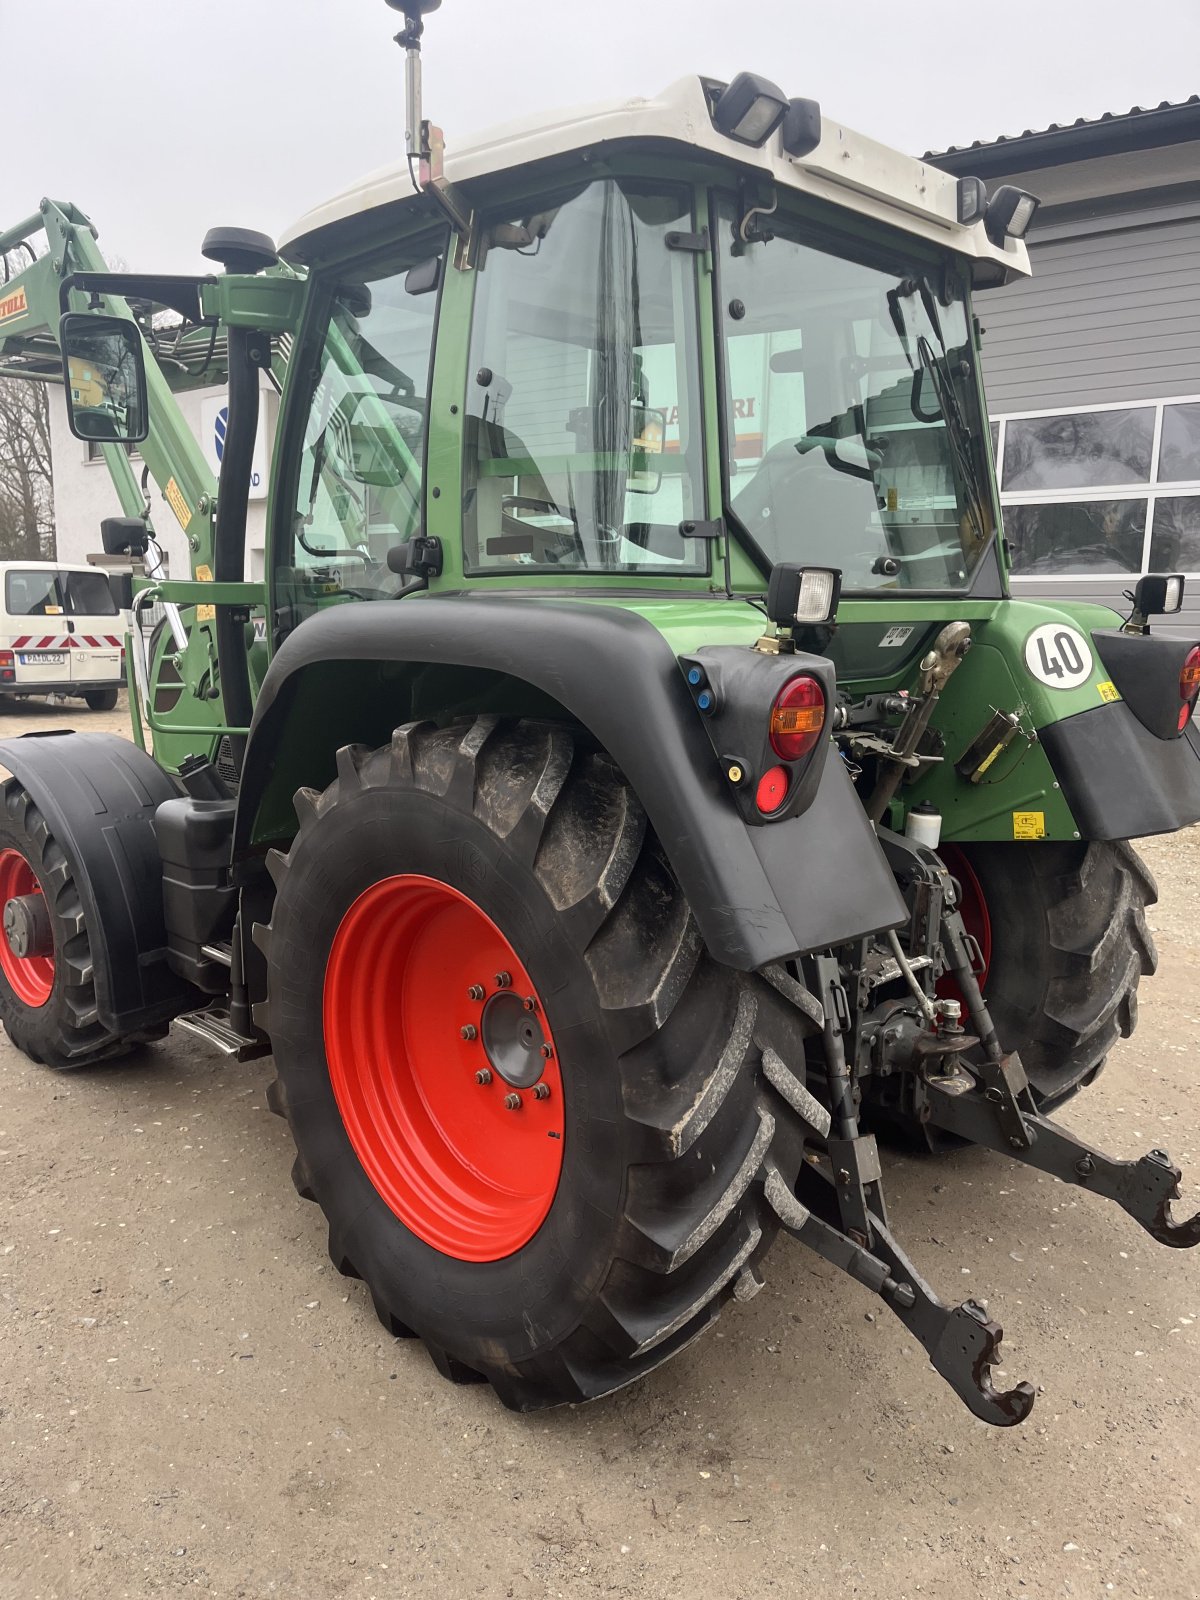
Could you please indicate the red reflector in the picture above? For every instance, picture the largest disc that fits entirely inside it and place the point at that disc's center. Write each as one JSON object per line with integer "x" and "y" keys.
{"x": 797, "y": 718}
{"x": 1184, "y": 713}
{"x": 1189, "y": 677}
{"x": 772, "y": 790}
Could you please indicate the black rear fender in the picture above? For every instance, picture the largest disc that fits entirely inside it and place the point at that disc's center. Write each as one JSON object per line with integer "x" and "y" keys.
{"x": 759, "y": 894}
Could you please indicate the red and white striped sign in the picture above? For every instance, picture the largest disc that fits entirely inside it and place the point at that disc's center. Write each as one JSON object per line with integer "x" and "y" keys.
{"x": 67, "y": 641}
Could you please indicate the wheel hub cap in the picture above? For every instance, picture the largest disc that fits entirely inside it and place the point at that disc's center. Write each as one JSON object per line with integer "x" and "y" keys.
{"x": 444, "y": 1068}
{"x": 27, "y": 949}
{"x": 513, "y": 1038}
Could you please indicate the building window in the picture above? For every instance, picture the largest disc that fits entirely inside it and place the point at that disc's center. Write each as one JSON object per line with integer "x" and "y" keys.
{"x": 1180, "y": 456}
{"x": 1079, "y": 450}
{"x": 95, "y": 451}
{"x": 1114, "y": 489}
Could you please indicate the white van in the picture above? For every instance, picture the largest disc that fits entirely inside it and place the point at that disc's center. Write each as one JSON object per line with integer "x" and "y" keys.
{"x": 61, "y": 632}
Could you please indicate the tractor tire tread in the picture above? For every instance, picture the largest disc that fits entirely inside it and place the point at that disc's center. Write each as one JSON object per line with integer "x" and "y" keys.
{"x": 688, "y": 1034}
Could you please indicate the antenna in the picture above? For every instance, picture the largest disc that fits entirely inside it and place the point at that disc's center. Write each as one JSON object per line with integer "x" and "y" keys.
{"x": 423, "y": 142}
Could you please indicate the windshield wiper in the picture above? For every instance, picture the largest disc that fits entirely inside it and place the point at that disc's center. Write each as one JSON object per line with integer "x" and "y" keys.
{"x": 957, "y": 431}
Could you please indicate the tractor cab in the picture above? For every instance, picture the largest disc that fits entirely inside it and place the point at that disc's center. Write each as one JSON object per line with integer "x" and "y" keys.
{"x": 666, "y": 347}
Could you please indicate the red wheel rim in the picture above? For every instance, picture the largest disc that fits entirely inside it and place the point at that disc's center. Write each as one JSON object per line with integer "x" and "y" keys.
{"x": 974, "y": 914}
{"x": 31, "y": 978}
{"x": 413, "y": 1013}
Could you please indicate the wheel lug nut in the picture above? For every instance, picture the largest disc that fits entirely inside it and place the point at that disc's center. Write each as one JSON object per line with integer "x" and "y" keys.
{"x": 475, "y": 992}
{"x": 542, "y": 1091}
{"x": 504, "y": 980}
{"x": 512, "y": 1102}
{"x": 530, "y": 1003}
{"x": 548, "y": 1051}
{"x": 468, "y": 1032}
{"x": 483, "y": 1076}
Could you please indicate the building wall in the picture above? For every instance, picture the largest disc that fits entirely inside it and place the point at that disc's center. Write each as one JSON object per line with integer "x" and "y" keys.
{"x": 1110, "y": 314}
{"x": 1092, "y": 369}
{"x": 84, "y": 493}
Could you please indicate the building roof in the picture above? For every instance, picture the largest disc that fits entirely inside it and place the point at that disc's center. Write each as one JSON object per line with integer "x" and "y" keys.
{"x": 1139, "y": 128}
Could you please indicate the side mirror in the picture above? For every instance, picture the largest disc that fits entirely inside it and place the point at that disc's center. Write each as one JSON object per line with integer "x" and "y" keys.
{"x": 105, "y": 377}
{"x": 647, "y": 441}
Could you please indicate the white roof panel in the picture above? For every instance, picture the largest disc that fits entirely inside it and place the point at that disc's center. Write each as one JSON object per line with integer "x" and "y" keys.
{"x": 846, "y": 168}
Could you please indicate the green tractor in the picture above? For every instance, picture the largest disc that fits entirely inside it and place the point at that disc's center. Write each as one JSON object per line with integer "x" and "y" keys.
{"x": 632, "y": 785}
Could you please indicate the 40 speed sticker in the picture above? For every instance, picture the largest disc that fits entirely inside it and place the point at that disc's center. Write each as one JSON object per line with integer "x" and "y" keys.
{"x": 1058, "y": 656}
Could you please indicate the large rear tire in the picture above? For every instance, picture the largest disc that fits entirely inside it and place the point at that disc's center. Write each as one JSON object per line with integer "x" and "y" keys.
{"x": 1063, "y": 929}
{"x": 48, "y": 996}
{"x": 556, "y": 1276}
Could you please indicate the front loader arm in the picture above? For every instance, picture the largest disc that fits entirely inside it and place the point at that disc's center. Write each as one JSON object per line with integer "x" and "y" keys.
{"x": 31, "y": 302}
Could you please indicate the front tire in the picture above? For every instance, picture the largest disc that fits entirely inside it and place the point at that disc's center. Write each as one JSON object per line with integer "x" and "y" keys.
{"x": 556, "y": 1277}
{"x": 48, "y": 996}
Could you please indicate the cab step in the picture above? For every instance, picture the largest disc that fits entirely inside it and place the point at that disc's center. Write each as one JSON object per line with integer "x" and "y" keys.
{"x": 212, "y": 1024}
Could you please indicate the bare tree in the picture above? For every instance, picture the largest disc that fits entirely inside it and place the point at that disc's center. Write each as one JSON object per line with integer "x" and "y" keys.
{"x": 26, "y": 480}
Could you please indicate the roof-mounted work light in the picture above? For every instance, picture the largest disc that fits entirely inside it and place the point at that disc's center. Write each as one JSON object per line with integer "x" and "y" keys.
{"x": 1009, "y": 213}
{"x": 972, "y": 199}
{"x": 749, "y": 109}
{"x": 801, "y": 127}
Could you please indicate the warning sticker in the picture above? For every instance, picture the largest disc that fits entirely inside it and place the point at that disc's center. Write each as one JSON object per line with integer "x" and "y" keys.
{"x": 1029, "y": 824}
{"x": 204, "y": 573}
{"x": 1108, "y": 691}
{"x": 894, "y": 637}
{"x": 206, "y": 613}
{"x": 177, "y": 503}
{"x": 12, "y": 305}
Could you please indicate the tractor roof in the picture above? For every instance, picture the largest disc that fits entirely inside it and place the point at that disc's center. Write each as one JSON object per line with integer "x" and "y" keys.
{"x": 846, "y": 168}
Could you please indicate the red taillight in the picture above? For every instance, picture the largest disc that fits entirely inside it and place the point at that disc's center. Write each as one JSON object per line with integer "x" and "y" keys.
{"x": 6, "y": 658}
{"x": 797, "y": 718}
{"x": 772, "y": 790}
{"x": 1189, "y": 685}
{"x": 1189, "y": 676}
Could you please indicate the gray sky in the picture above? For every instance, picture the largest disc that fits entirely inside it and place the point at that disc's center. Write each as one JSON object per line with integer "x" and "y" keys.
{"x": 163, "y": 117}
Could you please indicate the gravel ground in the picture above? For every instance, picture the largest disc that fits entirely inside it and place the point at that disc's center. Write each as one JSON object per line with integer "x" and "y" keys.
{"x": 193, "y": 1399}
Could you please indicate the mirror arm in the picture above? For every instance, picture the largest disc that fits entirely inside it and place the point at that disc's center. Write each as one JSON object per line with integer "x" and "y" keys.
{"x": 175, "y": 291}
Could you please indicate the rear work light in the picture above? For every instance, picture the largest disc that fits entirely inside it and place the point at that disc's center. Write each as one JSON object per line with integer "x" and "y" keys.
{"x": 797, "y": 717}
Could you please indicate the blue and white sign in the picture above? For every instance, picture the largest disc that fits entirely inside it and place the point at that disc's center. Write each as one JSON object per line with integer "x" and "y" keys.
{"x": 214, "y": 424}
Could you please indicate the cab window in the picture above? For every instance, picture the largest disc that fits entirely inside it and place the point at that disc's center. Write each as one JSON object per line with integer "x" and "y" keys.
{"x": 583, "y": 437}
{"x": 359, "y": 486}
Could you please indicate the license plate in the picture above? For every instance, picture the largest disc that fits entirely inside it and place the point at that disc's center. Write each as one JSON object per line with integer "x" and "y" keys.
{"x": 43, "y": 658}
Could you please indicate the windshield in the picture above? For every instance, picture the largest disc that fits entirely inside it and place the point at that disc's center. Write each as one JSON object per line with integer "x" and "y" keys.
{"x": 852, "y": 433}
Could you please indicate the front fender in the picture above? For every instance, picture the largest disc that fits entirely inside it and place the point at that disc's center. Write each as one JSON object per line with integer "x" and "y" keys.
{"x": 758, "y": 894}
{"x": 98, "y": 794}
